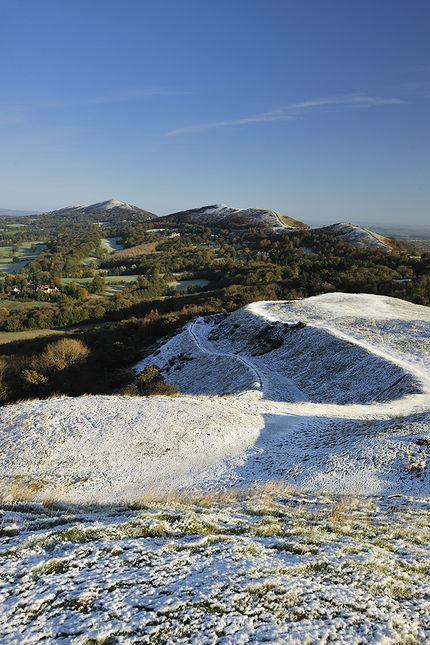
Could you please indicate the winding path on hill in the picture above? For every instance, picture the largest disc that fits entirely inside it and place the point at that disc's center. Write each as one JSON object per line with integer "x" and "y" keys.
{"x": 192, "y": 327}
{"x": 268, "y": 384}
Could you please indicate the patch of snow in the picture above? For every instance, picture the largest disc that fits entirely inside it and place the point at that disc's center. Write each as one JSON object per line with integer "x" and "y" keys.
{"x": 357, "y": 235}
{"x": 103, "y": 207}
{"x": 109, "y": 205}
{"x": 112, "y": 448}
{"x": 223, "y": 212}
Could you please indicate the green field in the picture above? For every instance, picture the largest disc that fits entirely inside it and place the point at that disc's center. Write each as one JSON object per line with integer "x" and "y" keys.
{"x": 11, "y": 336}
{"x": 181, "y": 285}
{"x": 19, "y": 305}
{"x": 89, "y": 260}
{"x": 11, "y": 229}
{"x": 110, "y": 244}
{"x": 114, "y": 283}
{"x": 24, "y": 253}
{"x": 112, "y": 279}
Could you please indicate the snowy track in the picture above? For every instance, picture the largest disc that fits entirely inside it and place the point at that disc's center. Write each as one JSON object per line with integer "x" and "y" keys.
{"x": 246, "y": 362}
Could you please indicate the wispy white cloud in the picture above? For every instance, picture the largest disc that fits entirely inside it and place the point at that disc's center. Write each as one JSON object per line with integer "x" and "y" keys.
{"x": 292, "y": 111}
{"x": 356, "y": 100}
{"x": 259, "y": 118}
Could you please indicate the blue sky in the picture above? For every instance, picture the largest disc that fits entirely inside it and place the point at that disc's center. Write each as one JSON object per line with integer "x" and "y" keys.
{"x": 316, "y": 108}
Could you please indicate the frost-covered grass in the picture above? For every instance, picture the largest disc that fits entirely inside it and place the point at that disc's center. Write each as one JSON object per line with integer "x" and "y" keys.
{"x": 110, "y": 244}
{"x": 254, "y": 567}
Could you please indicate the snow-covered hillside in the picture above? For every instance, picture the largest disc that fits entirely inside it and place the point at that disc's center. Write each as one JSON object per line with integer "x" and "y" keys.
{"x": 111, "y": 206}
{"x": 360, "y": 237}
{"x": 221, "y": 213}
{"x": 329, "y": 392}
{"x": 106, "y": 449}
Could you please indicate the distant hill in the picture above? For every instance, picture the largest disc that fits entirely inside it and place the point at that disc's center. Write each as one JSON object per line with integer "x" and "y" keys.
{"x": 360, "y": 237}
{"x": 108, "y": 208}
{"x": 235, "y": 217}
{"x": 8, "y": 212}
{"x": 113, "y": 212}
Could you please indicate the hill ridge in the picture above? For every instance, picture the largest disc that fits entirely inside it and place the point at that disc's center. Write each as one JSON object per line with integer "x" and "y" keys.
{"x": 224, "y": 214}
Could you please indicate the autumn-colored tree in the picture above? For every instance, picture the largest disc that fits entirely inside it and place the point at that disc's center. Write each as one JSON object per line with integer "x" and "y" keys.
{"x": 60, "y": 355}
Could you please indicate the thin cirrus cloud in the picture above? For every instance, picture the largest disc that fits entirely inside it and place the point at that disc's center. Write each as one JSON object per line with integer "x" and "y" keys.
{"x": 291, "y": 111}
{"x": 258, "y": 118}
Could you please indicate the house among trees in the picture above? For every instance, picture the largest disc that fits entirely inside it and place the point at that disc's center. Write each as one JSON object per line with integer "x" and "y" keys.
{"x": 47, "y": 289}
